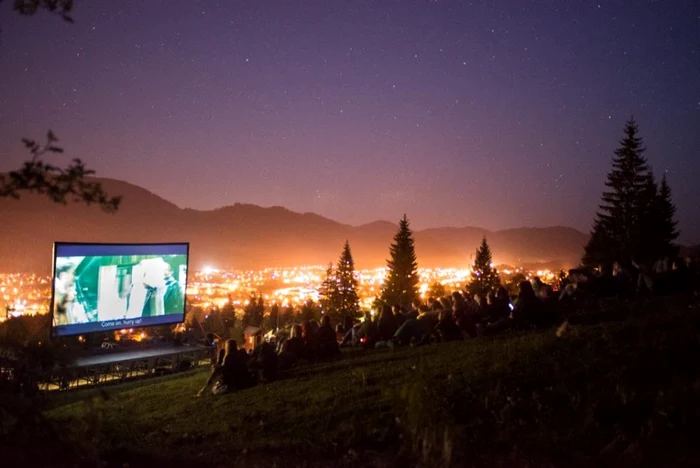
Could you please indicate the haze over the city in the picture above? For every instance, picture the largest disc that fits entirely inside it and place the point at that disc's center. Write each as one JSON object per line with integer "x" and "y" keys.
{"x": 494, "y": 114}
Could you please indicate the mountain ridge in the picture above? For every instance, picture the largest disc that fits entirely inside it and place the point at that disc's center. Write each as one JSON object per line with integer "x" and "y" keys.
{"x": 245, "y": 235}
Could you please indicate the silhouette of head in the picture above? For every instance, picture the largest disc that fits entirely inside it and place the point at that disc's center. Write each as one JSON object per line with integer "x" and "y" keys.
{"x": 526, "y": 289}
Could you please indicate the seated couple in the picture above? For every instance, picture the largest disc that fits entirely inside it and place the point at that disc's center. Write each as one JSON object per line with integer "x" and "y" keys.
{"x": 230, "y": 372}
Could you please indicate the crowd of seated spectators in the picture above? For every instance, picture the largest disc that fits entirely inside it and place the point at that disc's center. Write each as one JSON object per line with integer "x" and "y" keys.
{"x": 236, "y": 369}
{"x": 455, "y": 317}
{"x": 664, "y": 277}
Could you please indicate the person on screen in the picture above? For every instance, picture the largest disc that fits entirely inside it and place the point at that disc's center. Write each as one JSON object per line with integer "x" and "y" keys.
{"x": 173, "y": 298}
{"x": 154, "y": 282}
{"x": 147, "y": 289}
{"x": 67, "y": 310}
{"x": 136, "y": 293}
{"x": 63, "y": 293}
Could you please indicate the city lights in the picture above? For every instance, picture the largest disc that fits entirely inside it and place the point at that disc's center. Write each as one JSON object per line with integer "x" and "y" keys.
{"x": 29, "y": 294}
{"x": 24, "y": 294}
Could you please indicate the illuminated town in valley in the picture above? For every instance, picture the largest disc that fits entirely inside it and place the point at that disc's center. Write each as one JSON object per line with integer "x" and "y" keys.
{"x": 208, "y": 288}
{"x": 24, "y": 294}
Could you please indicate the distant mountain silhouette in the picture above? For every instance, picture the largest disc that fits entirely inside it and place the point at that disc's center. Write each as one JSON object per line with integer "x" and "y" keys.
{"x": 250, "y": 236}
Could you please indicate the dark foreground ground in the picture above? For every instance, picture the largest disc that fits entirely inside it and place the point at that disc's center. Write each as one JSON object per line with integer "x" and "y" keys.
{"x": 624, "y": 393}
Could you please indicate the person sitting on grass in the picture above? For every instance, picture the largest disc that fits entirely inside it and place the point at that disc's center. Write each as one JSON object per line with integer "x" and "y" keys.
{"x": 292, "y": 349}
{"x": 339, "y": 332}
{"x": 466, "y": 317}
{"x": 308, "y": 336}
{"x": 528, "y": 308}
{"x": 368, "y": 333}
{"x": 352, "y": 337}
{"x": 326, "y": 339}
{"x": 232, "y": 374}
{"x": 542, "y": 290}
{"x": 414, "y": 312}
{"x": 386, "y": 325}
{"x": 499, "y": 312}
{"x": 348, "y": 323}
{"x": 399, "y": 314}
{"x": 480, "y": 309}
{"x": 446, "y": 328}
{"x": 415, "y": 331}
{"x": 265, "y": 362}
{"x": 459, "y": 303}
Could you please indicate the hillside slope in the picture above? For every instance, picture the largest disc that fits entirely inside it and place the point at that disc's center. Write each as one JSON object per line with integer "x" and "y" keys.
{"x": 611, "y": 394}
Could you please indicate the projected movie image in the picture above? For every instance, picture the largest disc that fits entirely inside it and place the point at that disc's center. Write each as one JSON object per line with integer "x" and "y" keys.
{"x": 108, "y": 287}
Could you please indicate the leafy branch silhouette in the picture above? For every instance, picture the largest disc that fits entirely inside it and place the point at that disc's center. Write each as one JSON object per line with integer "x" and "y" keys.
{"x": 59, "y": 184}
{"x": 59, "y": 7}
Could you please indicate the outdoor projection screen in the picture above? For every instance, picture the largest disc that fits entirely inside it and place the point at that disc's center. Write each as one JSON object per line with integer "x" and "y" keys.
{"x": 102, "y": 287}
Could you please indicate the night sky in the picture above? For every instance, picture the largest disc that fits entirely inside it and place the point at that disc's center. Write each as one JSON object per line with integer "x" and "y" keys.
{"x": 487, "y": 113}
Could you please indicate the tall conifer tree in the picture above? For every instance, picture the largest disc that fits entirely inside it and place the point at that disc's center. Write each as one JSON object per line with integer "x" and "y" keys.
{"x": 253, "y": 313}
{"x": 228, "y": 313}
{"x": 310, "y": 311}
{"x": 645, "y": 244}
{"x": 328, "y": 293}
{"x": 401, "y": 283}
{"x": 272, "y": 320}
{"x": 665, "y": 212}
{"x": 484, "y": 278}
{"x": 619, "y": 224}
{"x": 347, "y": 302}
{"x": 287, "y": 317}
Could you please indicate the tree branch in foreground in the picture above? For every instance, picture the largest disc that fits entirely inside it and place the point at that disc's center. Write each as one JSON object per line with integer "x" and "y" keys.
{"x": 59, "y": 7}
{"x": 60, "y": 185}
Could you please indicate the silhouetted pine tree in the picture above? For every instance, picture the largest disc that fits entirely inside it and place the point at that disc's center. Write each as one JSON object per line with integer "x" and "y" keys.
{"x": 310, "y": 311}
{"x": 665, "y": 228}
{"x": 272, "y": 319}
{"x": 328, "y": 293}
{"x": 484, "y": 278}
{"x": 253, "y": 312}
{"x": 599, "y": 249}
{"x": 347, "y": 301}
{"x": 287, "y": 316}
{"x": 214, "y": 323}
{"x": 228, "y": 314}
{"x": 645, "y": 243}
{"x": 619, "y": 228}
{"x": 401, "y": 284}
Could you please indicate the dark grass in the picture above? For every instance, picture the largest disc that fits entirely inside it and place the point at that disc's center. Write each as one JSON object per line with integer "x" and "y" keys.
{"x": 611, "y": 394}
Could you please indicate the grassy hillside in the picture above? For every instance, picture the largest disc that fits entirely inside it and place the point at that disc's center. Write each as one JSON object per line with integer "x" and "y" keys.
{"x": 608, "y": 394}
